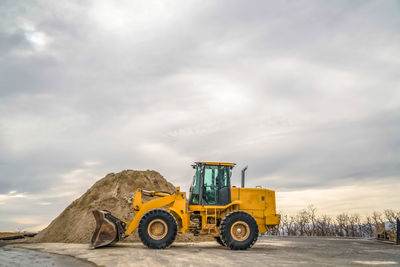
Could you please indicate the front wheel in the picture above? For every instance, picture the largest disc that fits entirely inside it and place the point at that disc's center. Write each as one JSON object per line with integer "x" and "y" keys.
{"x": 239, "y": 230}
{"x": 219, "y": 240}
{"x": 157, "y": 229}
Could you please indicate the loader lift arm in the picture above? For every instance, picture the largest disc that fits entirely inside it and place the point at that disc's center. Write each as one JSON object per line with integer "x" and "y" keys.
{"x": 141, "y": 208}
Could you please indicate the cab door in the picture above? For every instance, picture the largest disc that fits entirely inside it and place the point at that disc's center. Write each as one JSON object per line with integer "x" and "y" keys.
{"x": 216, "y": 185}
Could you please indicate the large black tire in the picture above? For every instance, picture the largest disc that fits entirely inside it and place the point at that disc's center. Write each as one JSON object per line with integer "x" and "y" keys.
{"x": 243, "y": 239}
{"x": 161, "y": 219}
{"x": 219, "y": 240}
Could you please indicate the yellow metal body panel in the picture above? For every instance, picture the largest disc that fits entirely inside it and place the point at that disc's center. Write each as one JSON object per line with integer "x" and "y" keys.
{"x": 179, "y": 210}
{"x": 258, "y": 202}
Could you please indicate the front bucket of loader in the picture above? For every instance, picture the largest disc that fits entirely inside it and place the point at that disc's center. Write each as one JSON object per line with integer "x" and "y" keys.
{"x": 109, "y": 229}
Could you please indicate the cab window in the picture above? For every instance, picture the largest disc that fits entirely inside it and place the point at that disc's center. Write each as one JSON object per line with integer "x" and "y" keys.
{"x": 210, "y": 184}
{"x": 195, "y": 194}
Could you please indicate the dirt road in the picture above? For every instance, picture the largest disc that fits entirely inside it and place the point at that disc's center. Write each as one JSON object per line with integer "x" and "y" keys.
{"x": 274, "y": 251}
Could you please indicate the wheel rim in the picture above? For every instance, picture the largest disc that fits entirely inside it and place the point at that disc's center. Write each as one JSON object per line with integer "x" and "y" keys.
{"x": 157, "y": 229}
{"x": 240, "y": 231}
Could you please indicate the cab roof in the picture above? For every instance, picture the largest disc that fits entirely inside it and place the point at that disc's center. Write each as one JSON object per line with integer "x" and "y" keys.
{"x": 216, "y": 163}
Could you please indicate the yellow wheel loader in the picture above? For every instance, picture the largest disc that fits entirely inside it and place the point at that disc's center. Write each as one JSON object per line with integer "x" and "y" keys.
{"x": 233, "y": 216}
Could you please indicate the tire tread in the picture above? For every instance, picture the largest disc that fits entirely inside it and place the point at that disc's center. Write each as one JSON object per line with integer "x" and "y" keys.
{"x": 144, "y": 237}
{"x": 228, "y": 220}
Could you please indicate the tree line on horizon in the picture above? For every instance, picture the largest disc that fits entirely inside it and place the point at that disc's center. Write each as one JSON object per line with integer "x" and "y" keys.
{"x": 307, "y": 222}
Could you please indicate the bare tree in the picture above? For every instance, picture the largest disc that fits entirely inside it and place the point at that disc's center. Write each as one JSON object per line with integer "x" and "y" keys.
{"x": 368, "y": 227}
{"x": 391, "y": 216}
{"x": 354, "y": 222}
{"x": 284, "y": 225}
{"x": 343, "y": 226}
{"x": 303, "y": 219}
{"x": 308, "y": 222}
{"x": 312, "y": 214}
{"x": 324, "y": 226}
{"x": 377, "y": 217}
{"x": 294, "y": 226}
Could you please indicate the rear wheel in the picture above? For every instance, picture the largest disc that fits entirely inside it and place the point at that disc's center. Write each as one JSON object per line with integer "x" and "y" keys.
{"x": 157, "y": 229}
{"x": 219, "y": 240}
{"x": 239, "y": 230}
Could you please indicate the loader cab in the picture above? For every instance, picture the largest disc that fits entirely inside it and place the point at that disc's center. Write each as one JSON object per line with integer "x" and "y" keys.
{"x": 211, "y": 184}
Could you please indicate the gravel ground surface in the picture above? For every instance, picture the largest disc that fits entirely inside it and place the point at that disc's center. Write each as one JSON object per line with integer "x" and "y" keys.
{"x": 272, "y": 251}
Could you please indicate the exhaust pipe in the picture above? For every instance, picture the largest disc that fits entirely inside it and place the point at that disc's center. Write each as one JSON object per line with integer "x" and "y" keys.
{"x": 243, "y": 175}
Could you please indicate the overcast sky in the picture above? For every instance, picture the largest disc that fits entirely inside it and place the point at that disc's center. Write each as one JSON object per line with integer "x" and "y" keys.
{"x": 307, "y": 93}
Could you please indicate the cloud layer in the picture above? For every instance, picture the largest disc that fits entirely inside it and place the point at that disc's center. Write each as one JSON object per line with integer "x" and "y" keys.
{"x": 305, "y": 93}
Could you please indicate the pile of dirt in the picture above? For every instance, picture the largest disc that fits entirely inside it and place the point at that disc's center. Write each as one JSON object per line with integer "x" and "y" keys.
{"x": 115, "y": 193}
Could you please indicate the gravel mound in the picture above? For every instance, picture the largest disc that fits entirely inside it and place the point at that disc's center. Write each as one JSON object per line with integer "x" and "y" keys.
{"x": 115, "y": 193}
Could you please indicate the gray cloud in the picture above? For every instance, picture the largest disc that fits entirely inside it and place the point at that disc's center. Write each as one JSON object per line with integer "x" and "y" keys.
{"x": 305, "y": 93}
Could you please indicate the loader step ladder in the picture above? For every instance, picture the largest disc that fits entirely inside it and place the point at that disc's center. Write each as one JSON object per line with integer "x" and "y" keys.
{"x": 211, "y": 227}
